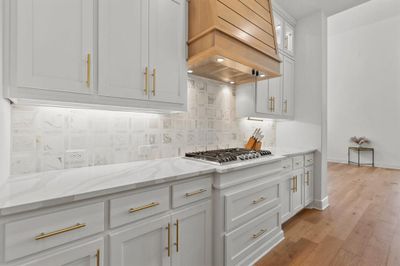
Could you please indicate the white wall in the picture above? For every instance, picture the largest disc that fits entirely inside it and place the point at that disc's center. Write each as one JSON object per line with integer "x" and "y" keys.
{"x": 4, "y": 118}
{"x": 309, "y": 126}
{"x": 364, "y": 80}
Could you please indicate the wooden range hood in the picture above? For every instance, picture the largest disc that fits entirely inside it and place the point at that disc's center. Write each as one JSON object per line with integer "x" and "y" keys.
{"x": 231, "y": 39}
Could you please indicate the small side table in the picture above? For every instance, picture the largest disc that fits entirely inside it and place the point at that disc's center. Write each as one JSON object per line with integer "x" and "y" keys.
{"x": 359, "y": 150}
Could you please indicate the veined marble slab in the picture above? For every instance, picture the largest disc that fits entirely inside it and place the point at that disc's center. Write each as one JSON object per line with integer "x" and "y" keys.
{"x": 35, "y": 191}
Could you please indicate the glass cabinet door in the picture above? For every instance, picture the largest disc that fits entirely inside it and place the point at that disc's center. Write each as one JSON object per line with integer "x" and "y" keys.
{"x": 279, "y": 30}
{"x": 289, "y": 39}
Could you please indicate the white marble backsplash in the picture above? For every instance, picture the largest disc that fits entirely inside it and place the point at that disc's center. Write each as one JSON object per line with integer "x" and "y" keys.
{"x": 50, "y": 138}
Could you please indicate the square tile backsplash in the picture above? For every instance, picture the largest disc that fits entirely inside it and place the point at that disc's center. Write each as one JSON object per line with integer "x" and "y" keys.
{"x": 49, "y": 138}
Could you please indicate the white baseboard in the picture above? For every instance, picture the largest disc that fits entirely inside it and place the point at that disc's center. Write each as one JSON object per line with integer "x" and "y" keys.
{"x": 379, "y": 165}
{"x": 321, "y": 204}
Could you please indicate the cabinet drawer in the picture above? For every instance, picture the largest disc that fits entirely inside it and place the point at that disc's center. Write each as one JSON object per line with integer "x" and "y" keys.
{"x": 190, "y": 192}
{"x": 298, "y": 162}
{"x": 138, "y": 206}
{"x": 287, "y": 164}
{"x": 39, "y": 233}
{"x": 242, "y": 206}
{"x": 308, "y": 159}
{"x": 247, "y": 238}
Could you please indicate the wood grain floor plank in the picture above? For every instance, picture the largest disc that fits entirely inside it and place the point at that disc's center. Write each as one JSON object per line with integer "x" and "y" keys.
{"x": 361, "y": 227}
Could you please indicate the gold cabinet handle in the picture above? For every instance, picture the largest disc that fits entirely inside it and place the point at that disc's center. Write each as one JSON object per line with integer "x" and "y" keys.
{"x": 293, "y": 185}
{"x": 60, "y": 231}
{"x": 273, "y": 104}
{"x": 260, "y": 233}
{"x": 258, "y": 200}
{"x": 177, "y": 235}
{"x": 270, "y": 104}
{"x": 190, "y": 194}
{"x": 308, "y": 178}
{"x": 295, "y": 182}
{"x": 169, "y": 239}
{"x": 285, "y": 104}
{"x": 98, "y": 257}
{"x": 154, "y": 82}
{"x": 88, "y": 69}
{"x": 146, "y": 81}
{"x": 150, "y": 205}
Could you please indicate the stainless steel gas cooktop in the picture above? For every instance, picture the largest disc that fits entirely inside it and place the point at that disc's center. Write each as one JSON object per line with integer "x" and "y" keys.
{"x": 225, "y": 156}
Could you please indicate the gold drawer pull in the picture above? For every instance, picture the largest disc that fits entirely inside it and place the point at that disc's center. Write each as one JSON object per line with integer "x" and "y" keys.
{"x": 88, "y": 69}
{"x": 262, "y": 231}
{"x": 189, "y": 194}
{"x": 258, "y": 200}
{"x": 150, "y": 205}
{"x": 168, "y": 248}
{"x": 146, "y": 80}
{"x": 60, "y": 231}
{"x": 154, "y": 82}
{"x": 98, "y": 257}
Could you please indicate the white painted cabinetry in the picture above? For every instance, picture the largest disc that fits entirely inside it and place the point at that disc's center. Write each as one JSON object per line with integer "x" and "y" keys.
{"x": 123, "y": 48}
{"x": 142, "y": 244}
{"x": 182, "y": 238}
{"x": 52, "y": 44}
{"x": 88, "y": 254}
{"x": 141, "y": 50}
{"x": 191, "y": 236}
{"x": 297, "y": 185}
{"x": 273, "y": 98}
{"x": 136, "y": 60}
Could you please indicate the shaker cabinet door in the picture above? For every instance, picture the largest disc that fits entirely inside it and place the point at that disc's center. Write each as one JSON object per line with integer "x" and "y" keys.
{"x": 288, "y": 87}
{"x": 308, "y": 185}
{"x": 123, "y": 48}
{"x": 192, "y": 236}
{"x": 286, "y": 198}
{"x": 142, "y": 244}
{"x": 89, "y": 254}
{"x": 52, "y": 45}
{"x": 297, "y": 194}
{"x": 167, "y": 50}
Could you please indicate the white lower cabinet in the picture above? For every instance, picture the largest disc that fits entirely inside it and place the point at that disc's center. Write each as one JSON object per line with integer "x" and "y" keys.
{"x": 308, "y": 185}
{"x": 182, "y": 238}
{"x": 192, "y": 234}
{"x": 286, "y": 197}
{"x": 88, "y": 254}
{"x": 297, "y": 191}
{"x": 297, "y": 186}
{"x": 143, "y": 244}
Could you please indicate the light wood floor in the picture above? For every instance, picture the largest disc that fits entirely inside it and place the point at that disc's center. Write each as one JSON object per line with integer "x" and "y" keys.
{"x": 361, "y": 226}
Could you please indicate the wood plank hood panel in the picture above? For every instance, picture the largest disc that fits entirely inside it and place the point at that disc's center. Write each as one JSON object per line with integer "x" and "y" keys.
{"x": 228, "y": 39}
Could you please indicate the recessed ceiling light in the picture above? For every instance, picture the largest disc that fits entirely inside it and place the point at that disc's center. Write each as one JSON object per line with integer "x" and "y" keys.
{"x": 231, "y": 82}
{"x": 190, "y": 71}
{"x": 262, "y": 75}
{"x": 220, "y": 60}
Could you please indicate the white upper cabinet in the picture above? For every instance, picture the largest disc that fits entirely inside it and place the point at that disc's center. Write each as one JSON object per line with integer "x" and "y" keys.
{"x": 123, "y": 48}
{"x": 288, "y": 43}
{"x": 288, "y": 87}
{"x": 142, "y": 49}
{"x": 53, "y": 42}
{"x": 279, "y": 30}
{"x": 167, "y": 50}
{"x": 137, "y": 59}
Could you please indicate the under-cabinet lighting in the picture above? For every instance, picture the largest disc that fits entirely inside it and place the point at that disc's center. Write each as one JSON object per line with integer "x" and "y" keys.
{"x": 190, "y": 71}
{"x": 262, "y": 75}
{"x": 232, "y": 82}
{"x": 219, "y": 60}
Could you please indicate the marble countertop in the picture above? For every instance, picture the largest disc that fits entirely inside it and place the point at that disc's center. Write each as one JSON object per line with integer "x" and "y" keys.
{"x": 288, "y": 151}
{"x": 35, "y": 191}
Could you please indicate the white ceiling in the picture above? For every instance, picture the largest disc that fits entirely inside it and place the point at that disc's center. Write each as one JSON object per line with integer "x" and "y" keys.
{"x": 302, "y": 8}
